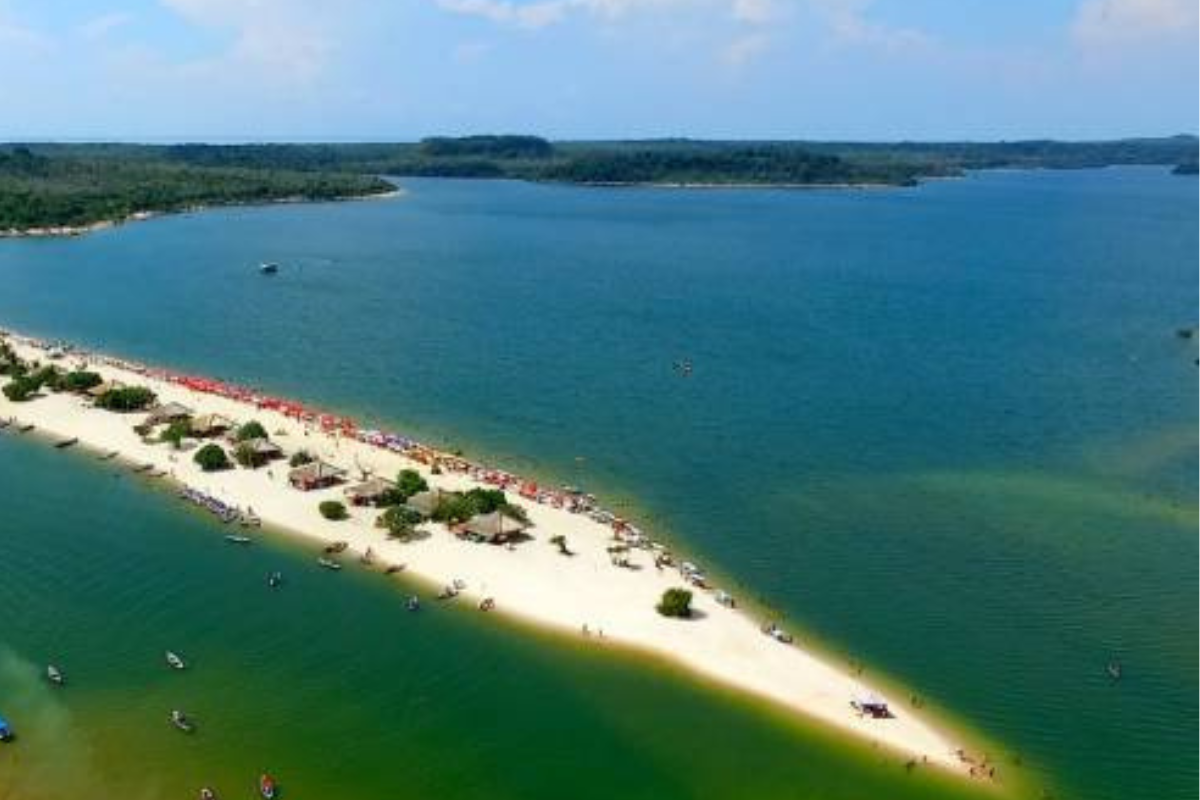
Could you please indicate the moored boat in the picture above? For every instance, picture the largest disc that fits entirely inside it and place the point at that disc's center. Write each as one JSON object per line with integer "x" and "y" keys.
{"x": 268, "y": 268}
{"x": 207, "y": 794}
{"x": 6, "y": 731}
{"x": 180, "y": 720}
{"x": 55, "y": 675}
{"x": 175, "y": 661}
{"x": 414, "y": 603}
{"x": 275, "y": 580}
{"x": 329, "y": 563}
{"x": 266, "y": 786}
{"x": 233, "y": 538}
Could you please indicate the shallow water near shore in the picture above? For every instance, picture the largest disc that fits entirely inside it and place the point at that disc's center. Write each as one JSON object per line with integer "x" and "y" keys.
{"x": 950, "y": 431}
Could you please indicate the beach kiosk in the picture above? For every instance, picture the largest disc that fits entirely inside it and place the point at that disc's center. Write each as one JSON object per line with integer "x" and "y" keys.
{"x": 168, "y": 413}
{"x": 371, "y": 492}
{"x": 493, "y": 528}
{"x": 315, "y": 475}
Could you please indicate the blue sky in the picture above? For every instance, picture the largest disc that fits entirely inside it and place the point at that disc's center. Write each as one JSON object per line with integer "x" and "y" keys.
{"x": 402, "y": 69}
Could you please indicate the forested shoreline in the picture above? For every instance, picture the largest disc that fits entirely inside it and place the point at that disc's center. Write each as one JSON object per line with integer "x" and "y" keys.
{"x": 51, "y": 185}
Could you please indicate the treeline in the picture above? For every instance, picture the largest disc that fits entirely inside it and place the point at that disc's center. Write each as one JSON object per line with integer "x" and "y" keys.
{"x": 76, "y": 184}
{"x": 38, "y": 190}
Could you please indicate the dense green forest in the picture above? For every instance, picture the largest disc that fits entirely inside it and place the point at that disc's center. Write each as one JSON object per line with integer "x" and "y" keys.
{"x": 74, "y": 184}
{"x": 38, "y": 190}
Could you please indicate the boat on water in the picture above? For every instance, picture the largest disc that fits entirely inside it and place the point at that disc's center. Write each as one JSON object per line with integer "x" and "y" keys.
{"x": 329, "y": 563}
{"x": 65, "y": 443}
{"x": 414, "y": 603}
{"x": 336, "y": 547}
{"x": 6, "y": 731}
{"x": 447, "y": 593}
{"x": 777, "y": 633}
{"x": 1114, "y": 670}
{"x": 174, "y": 661}
{"x": 275, "y": 580}
{"x": 207, "y": 794}
{"x": 54, "y": 675}
{"x": 268, "y": 268}
{"x": 234, "y": 538}
{"x": 181, "y": 721}
{"x": 266, "y": 787}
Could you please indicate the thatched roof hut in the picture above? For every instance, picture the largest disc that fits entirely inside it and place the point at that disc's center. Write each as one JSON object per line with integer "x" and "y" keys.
{"x": 425, "y": 502}
{"x": 370, "y": 492}
{"x": 315, "y": 475}
{"x": 210, "y": 425}
{"x": 494, "y": 528}
{"x": 168, "y": 412}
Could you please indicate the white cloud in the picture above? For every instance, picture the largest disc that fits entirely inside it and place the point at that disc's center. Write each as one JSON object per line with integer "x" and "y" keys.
{"x": 745, "y": 49}
{"x": 101, "y": 26}
{"x": 543, "y": 13}
{"x": 286, "y": 40}
{"x": 850, "y": 24}
{"x": 16, "y": 36}
{"x": 755, "y": 12}
{"x": 1102, "y": 23}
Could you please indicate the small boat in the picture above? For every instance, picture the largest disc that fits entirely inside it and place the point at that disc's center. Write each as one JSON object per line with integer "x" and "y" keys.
{"x": 181, "y": 721}
{"x": 329, "y": 563}
{"x": 174, "y": 661}
{"x": 275, "y": 580}
{"x": 414, "y": 603}
{"x": 726, "y": 599}
{"x": 25, "y": 428}
{"x": 777, "y": 633}
{"x": 336, "y": 547}
{"x": 268, "y": 268}
{"x": 392, "y": 569}
{"x": 54, "y": 675}
{"x": 266, "y": 787}
{"x": 367, "y": 558}
{"x": 207, "y": 794}
{"x": 65, "y": 443}
{"x": 6, "y": 732}
{"x": 1114, "y": 670}
{"x": 233, "y": 538}
{"x": 487, "y": 604}
{"x": 447, "y": 593}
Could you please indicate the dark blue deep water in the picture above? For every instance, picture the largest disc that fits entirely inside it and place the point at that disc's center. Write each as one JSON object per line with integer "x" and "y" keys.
{"x": 950, "y": 430}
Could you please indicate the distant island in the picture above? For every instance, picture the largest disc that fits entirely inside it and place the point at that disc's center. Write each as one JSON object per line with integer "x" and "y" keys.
{"x": 68, "y": 188}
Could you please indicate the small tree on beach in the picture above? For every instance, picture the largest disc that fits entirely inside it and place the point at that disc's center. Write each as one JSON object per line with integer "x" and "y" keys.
{"x": 211, "y": 458}
{"x": 400, "y": 522}
{"x": 245, "y": 455}
{"x": 80, "y": 381}
{"x": 332, "y": 510}
{"x": 299, "y": 459}
{"x": 676, "y": 603}
{"x": 126, "y": 398}
{"x": 176, "y": 432}
{"x": 251, "y": 430}
{"x": 410, "y": 482}
{"x": 21, "y": 389}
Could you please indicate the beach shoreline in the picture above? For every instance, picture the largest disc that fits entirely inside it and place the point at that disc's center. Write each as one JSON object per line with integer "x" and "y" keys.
{"x": 583, "y": 595}
{"x": 71, "y": 231}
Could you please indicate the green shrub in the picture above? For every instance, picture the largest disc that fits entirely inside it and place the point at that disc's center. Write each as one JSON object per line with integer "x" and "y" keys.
{"x": 126, "y": 398}
{"x": 176, "y": 432}
{"x": 245, "y": 455}
{"x": 80, "y": 381}
{"x": 300, "y": 458}
{"x": 410, "y": 482}
{"x": 251, "y": 430}
{"x": 400, "y": 522}
{"x": 333, "y": 510}
{"x": 20, "y": 389}
{"x": 211, "y": 458}
{"x": 676, "y": 603}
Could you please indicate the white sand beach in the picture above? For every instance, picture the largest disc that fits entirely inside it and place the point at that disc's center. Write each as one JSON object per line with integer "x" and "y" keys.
{"x": 532, "y": 579}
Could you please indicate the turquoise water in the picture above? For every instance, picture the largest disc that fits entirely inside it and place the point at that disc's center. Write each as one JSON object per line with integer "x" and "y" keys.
{"x": 950, "y": 430}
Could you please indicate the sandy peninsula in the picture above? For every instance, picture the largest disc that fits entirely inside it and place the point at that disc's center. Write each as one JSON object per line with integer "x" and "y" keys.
{"x": 584, "y": 595}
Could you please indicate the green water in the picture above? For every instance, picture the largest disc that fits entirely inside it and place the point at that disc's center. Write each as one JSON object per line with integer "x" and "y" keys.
{"x": 329, "y": 683}
{"x": 950, "y": 432}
